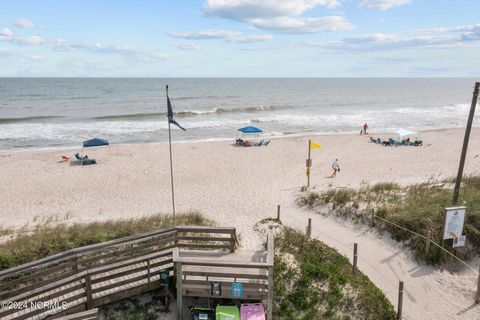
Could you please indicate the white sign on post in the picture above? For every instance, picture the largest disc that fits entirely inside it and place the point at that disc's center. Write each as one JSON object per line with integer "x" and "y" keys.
{"x": 454, "y": 219}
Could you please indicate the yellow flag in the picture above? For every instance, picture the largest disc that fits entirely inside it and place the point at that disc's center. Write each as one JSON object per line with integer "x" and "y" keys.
{"x": 314, "y": 145}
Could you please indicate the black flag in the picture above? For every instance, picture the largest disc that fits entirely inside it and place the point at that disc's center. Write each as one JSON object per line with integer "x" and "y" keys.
{"x": 170, "y": 114}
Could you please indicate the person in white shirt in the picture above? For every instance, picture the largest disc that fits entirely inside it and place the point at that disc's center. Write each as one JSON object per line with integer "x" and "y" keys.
{"x": 335, "y": 168}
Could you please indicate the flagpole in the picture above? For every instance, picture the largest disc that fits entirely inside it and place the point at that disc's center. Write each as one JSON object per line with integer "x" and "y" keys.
{"x": 171, "y": 169}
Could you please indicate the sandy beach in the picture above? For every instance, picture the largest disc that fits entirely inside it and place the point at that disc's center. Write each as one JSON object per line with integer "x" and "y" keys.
{"x": 239, "y": 186}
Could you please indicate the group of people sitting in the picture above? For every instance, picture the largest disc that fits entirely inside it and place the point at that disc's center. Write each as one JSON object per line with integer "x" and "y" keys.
{"x": 397, "y": 142}
{"x": 249, "y": 143}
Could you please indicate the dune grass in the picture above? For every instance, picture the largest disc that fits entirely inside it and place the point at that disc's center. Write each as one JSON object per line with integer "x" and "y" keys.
{"x": 313, "y": 281}
{"x": 418, "y": 208}
{"x": 46, "y": 240}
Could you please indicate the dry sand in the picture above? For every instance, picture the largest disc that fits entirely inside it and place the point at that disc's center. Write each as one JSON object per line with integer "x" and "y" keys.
{"x": 239, "y": 186}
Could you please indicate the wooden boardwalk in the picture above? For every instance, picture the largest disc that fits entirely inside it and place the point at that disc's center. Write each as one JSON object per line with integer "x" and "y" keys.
{"x": 88, "y": 277}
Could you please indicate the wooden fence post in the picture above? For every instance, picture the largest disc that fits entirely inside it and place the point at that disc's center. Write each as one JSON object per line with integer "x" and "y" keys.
{"x": 148, "y": 273}
{"x": 179, "y": 291}
{"x": 309, "y": 228}
{"x": 232, "y": 240}
{"x": 75, "y": 261}
{"x": 355, "y": 249}
{"x": 278, "y": 212}
{"x": 427, "y": 244}
{"x": 88, "y": 291}
{"x": 400, "y": 300}
{"x": 373, "y": 218}
{"x": 477, "y": 298}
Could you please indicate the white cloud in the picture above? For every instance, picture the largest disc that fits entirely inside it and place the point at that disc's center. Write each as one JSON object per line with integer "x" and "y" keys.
{"x": 278, "y": 15}
{"x": 30, "y": 40}
{"x": 138, "y": 54}
{"x": 9, "y": 53}
{"x": 435, "y": 37}
{"x": 25, "y": 24}
{"x": 188, "y": 46}
{"x": 5, "y": 32}
{"x": 382, "y": 4}
{"x": 303, "y": 25}
{"x": 135, "y": 54}
{"x": 229, "y": 36}
{"x": 244, "y": 10}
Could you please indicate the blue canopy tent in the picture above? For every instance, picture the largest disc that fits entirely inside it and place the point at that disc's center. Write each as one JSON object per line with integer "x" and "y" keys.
{"x": 250, "y": 129}
{"x": 254, "y": 133}
{"x": 97, "y": 142}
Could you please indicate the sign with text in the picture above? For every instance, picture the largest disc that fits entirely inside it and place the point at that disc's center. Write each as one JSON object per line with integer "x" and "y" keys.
{"x": 164, "y": 277}
{"x": 459, "y": 242}
{"x": 216, "y": 288}
{"x": 453, "y": 222}
{"x": 237, "y": 290}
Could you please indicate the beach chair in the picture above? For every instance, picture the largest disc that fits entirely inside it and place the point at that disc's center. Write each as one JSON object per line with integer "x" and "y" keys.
{"x": 84, "y": 161}
{"x": 252, "y": 311}
{"x": 258, "y": 144}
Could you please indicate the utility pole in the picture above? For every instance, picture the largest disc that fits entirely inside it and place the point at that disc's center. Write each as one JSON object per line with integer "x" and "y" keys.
{"x": 465, "y": 144}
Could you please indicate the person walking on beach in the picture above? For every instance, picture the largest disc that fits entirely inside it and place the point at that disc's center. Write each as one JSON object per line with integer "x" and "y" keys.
{"x": 365, "y": 128}
{"x": 335, "y": 168}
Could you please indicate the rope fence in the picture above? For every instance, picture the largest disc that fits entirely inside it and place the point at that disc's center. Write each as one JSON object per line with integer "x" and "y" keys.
{"x": 427, "y": 239}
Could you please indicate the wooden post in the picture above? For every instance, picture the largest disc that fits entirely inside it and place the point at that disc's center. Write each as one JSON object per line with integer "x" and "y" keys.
{"x": 477, "y": 298}
{"x": 355, "y": 250}
{"x": 373, "y": 218}
{"x": 278, "y": 212}
{"x": 309, "y": 228}
{"x": 75, "y": 265}
{"x": 270, "y": 260}
{"x": 232, "y": 240}
{"x": 88, "y": 291}
{"x": 427, "y": 244}
{"x": 309, "y": 162}
{"x": 179, "y": 291}
{"x": 148, "y": 273}
{"x": 465, "y": 144}
{"x": 400, "y": 300}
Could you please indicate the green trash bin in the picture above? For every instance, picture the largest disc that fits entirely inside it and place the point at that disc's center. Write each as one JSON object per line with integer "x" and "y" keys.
{"x": 227, "y": 313}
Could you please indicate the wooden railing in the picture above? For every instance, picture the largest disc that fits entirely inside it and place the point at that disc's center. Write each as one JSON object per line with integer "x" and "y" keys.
{"x": 253, "y": 269}
{"x": 91, "y": 276}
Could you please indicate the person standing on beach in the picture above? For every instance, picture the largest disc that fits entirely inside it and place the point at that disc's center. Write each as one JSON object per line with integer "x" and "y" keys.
{"x": 335, "y": 168}
{"x": 365, "y": 128}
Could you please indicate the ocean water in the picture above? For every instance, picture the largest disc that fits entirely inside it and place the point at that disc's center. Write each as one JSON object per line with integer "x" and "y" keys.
{"x": 54, "y": 112}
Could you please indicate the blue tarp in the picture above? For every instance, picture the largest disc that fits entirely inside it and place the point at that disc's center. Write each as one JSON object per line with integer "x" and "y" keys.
{"x": 250, "y": 129}
{"x": 95, "y": 143}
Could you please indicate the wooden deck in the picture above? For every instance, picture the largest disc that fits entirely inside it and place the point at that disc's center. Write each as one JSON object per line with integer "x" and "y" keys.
{"x": 88, "y": 277}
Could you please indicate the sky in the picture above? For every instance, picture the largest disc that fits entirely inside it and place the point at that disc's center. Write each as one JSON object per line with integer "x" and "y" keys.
{"x": 239, "y": 38}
